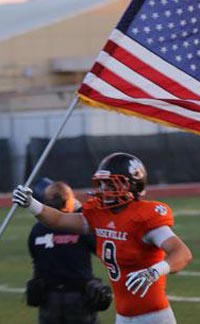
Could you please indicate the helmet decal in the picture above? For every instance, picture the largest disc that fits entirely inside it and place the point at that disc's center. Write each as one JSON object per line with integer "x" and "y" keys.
{"x": 136, "y": 169}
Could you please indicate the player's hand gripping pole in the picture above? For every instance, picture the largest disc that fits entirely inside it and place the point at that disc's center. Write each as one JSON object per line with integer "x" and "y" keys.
{"x": 41, "y": 161}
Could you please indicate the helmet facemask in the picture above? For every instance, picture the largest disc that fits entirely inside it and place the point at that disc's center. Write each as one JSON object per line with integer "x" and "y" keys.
{"x": 112, "y": 190}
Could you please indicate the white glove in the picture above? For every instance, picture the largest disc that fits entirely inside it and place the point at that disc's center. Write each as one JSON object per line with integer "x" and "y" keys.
{"x": 142, "y": 279}
{"x": 22, "y": 196}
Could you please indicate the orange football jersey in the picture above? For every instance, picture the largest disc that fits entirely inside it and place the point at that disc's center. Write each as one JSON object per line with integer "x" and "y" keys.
{"x": 121, "y": 248}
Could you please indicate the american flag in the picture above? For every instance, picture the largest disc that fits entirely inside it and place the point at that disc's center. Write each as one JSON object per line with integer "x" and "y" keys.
{"x": 150, "y": 65}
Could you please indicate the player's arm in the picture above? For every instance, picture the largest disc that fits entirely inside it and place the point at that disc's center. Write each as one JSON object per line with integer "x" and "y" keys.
{"x": 55, "y": 219}
{"x": 178, "y": 255}
{"x": 50, "y": 217}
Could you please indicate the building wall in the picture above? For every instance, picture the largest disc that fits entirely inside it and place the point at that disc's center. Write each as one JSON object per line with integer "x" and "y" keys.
{"x": 20, "y": 126}
{"x": 26, "y": 59}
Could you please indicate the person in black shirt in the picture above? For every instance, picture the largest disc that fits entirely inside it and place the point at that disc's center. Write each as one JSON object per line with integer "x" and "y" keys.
{"x": 62, "y": 264}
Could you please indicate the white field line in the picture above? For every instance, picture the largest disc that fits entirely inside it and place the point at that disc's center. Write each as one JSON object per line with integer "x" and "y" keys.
{"x": 189, "y": 273}
{"x": 184, "y": 299}
{"x": 187, "y": 212}
{"x": 6, "y": 289}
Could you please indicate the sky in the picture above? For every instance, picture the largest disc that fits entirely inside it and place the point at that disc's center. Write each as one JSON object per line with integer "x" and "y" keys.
{"x": 10, "y": 1}
{"x": 24, "y": 15}
{"x": 2, "y": 2}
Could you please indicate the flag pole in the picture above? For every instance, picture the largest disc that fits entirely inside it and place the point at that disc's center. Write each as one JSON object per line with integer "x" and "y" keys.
{"x": 41, "y": 161}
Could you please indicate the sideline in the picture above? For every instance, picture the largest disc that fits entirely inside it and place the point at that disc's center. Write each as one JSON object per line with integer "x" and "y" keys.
{"x": 183, "y": 190}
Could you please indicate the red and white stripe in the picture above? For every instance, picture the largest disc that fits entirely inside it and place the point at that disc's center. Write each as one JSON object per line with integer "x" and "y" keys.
{"x": 126, "y": 76}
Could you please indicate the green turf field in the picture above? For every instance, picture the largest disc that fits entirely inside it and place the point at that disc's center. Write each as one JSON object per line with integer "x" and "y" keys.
{"x": 15, "y": 267}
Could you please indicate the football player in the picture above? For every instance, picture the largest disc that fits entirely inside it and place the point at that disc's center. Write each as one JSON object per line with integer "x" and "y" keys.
{"x": 135, "y": 239}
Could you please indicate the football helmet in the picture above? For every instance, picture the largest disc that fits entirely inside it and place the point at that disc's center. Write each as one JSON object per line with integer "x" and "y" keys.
{"x": 119, "y": 179}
